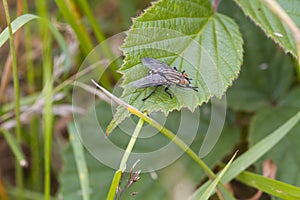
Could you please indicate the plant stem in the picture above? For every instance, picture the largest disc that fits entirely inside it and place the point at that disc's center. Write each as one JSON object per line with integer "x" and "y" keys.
{"x": 169, "y": 134}
{"x": 19, "y": 172}
{"x": 72, "y": 16}
{"x": 30, "y": 73}
{"x": 215, "y": 5}
{"x": 118, "y": 174}
{"x": 159, "y": 127}
{"x": 15, "y": 147}
{"x": 80, "y": 160}
{"x": 47, "y": 114}
{"x": 48, "y": 94}
{"x": 35, "y": 174}
{"x": 131, "y": 144}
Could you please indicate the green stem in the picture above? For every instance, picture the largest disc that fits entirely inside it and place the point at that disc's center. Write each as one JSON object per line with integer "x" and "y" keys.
{"x": 15, "y": 147}
{"x": 83, "y": 4}
{"x": 91, "y": 19}
{"x": 169, "y": 134}
{"x": 48, "y": 93}
{"x": 19, "y": 172}
{"x": 78, "y": 27}
{"x": 35, "y": 173}
{"x": 80, "y": 160}
{"x": 131, "y": 144}
{"x": 29, "y": 54}
{"x": 47, "y": 114}
{"x": 118, "y": 174}
{"x": 159, "y": 127}
{"x": 297, "y": 64}
{"x": 164, "y": 131}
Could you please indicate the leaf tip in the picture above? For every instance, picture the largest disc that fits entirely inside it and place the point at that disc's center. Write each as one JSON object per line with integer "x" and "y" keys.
{"x": 109, "y": 129}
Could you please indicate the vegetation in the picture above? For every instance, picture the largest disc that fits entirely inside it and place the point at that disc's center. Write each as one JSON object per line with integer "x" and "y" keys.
{"x": 73, "y": 126}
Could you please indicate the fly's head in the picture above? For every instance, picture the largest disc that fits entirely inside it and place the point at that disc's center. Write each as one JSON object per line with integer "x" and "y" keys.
{"x": 185, "y": 81}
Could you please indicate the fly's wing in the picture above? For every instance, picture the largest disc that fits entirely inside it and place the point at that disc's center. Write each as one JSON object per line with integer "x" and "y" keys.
{"x": 156, "y": 66}
{"x": 150, "y": 80}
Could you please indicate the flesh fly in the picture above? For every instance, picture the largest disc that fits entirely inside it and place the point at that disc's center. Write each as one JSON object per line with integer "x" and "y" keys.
{"x": 161, "y": 74}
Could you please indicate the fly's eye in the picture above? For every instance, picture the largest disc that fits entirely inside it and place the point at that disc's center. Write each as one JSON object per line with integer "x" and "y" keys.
{"x": 184, "y": 74}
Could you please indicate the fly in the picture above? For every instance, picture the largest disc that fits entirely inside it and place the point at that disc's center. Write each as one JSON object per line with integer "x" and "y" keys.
{"x": 161, "y": 74}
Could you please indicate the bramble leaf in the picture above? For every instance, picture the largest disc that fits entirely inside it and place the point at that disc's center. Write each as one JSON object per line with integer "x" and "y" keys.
{"x": 187, "y": 34}
{"x": 271, "y": 24}
{"x": 261, "y": 82}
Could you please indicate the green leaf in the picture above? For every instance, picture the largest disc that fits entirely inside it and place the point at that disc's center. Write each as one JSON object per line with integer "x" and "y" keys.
{"x": 16, "y": 25}
{"x": 114, "y": 185}
{"x": 99, "y": 175}
{"x": 270, "y": 186}
{"x": 292, "y": 99}
{"x": 255, "y": 152}
{"x": 147, "y": 188}
{"x": 23, "y": 19}
{"x": 14, "y": 146}
{"x": 187, "y": 34}
{"x": 261, "y": 82}
{"x": 80, "y": 161}
{"x": 271, "y": 24}
{"x": 284, "y": 154}
{"x": 209, "y": 191}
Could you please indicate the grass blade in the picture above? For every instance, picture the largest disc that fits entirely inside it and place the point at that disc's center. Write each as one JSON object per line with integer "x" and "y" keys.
{"x": 80, "y": 161}
{"x": 210, "y": 189}
{"x": 270, "y": 186}
{"x": 253, "y": 154}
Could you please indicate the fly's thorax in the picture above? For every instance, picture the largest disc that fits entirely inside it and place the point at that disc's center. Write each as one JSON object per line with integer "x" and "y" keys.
{"x": 175, "y": 77}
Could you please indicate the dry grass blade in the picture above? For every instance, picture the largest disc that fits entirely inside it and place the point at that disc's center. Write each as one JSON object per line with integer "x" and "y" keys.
{"x": 37, "y": 108}
{"x": 114, "y": 98}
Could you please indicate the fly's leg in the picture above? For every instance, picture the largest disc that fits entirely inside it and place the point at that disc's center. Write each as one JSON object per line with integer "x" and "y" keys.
{"x": 195, "y": 88}
{"x": 150, "y": 93}
{"x": 166, "y": 90}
